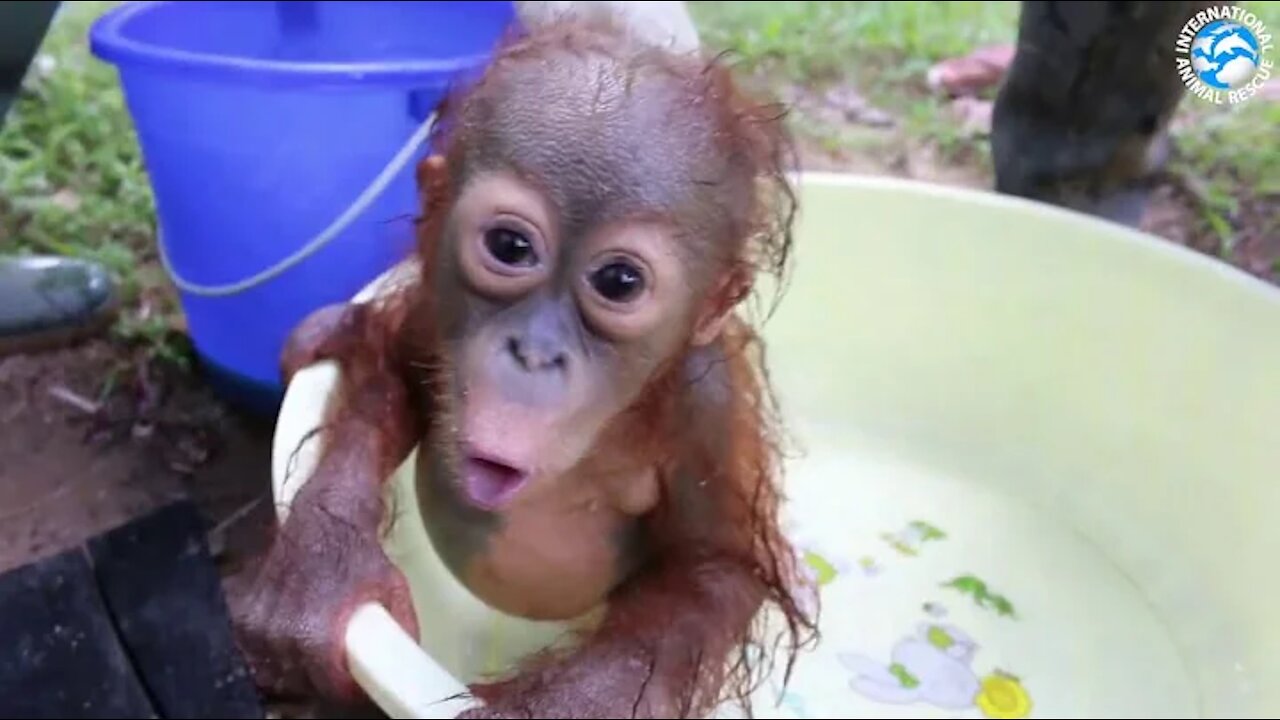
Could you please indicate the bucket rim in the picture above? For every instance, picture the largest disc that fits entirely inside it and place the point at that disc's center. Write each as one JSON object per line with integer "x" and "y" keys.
{"x": 109, "y": 41}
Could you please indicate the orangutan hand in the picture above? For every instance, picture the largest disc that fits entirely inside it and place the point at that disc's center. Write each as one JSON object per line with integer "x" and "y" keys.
{"x": 291, "y": 616}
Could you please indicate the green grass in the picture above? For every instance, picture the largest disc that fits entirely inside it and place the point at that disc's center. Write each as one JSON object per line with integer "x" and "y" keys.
{"x": 1234, "y": 156}
{"x": 72, "y": 180}
{"x": 811, "y": 41}
{"x": 884, "y": 49}
{"x": 70, "y": 172}
{"x": 1234, "y": 153}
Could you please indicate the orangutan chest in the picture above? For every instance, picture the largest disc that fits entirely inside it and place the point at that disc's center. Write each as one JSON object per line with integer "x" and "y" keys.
{"x": 549, "y": 567}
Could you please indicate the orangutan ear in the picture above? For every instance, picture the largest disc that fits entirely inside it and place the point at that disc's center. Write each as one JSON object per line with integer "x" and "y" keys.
{"x": 431, "y": 170}
{"x": 432, "y": 174}
{"x": 728, "y": 293}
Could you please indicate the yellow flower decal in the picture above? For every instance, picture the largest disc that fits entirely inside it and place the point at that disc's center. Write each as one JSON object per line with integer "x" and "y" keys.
{"x": 1003, "y": 696}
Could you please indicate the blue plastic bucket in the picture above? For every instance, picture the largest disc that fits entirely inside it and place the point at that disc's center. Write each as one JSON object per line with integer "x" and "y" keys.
{"x": 260, "y": 124}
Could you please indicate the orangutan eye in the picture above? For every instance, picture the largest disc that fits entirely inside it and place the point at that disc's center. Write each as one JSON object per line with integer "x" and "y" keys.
{"x": 618, "y": 282}
{"x": 510, "y": 247}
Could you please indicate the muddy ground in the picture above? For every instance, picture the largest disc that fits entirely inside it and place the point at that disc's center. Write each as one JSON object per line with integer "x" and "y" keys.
{"x": 75, "y": 461}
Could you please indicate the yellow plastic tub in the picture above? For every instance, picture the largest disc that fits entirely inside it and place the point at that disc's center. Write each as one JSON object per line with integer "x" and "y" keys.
{"x": 1038, "y": 474}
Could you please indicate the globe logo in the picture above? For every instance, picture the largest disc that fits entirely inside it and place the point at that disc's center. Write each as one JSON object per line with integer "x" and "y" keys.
{"x": 1224, "y": 55}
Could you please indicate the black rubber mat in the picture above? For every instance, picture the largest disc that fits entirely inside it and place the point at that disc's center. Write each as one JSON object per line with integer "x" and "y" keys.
{"x": 59, "y": 655}
{"x": 134, "y": 625}
{"x": 160, "y": 584}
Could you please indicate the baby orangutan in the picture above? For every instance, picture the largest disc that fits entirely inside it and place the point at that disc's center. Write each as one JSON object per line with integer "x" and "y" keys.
{"x": 592, "y": 415}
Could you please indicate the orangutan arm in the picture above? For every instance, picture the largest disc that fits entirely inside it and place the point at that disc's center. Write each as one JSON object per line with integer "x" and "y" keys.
{"x": 682, "y": 621}
{"x": 326, "y": 558}
{"x": 371, "y": 424}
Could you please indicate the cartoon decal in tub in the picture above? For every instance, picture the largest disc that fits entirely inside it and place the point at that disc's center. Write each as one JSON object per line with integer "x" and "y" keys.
{"x": 982, "y": 595}
{"x": 910, "y": 540}
{"x": 932, "y": 663}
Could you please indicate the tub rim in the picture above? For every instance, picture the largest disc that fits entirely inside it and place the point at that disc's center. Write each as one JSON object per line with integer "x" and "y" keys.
{"x": 385, "y": 660}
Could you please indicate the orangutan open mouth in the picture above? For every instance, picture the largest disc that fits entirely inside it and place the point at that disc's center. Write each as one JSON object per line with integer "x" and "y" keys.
{"x": 488, "y": 482}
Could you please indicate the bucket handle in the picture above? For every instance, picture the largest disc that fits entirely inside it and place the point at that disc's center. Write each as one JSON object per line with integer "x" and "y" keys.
{"x": 326, "y": 236}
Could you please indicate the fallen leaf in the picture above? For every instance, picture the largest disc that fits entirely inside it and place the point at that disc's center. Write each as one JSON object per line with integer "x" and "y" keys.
{"x": 972, "y": 73}
{"x": 857, "y": 108}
